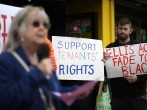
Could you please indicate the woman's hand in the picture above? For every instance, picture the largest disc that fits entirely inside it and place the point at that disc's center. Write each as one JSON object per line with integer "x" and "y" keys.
{"x": 46, "y": 66}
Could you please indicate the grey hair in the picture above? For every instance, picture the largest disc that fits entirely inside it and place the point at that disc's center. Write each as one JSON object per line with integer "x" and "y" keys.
{"x": 17, "y": 26}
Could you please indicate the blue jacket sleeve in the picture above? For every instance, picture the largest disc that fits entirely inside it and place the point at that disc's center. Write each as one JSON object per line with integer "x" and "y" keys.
{"x": 17, "y": 86}
{"x": 56, "y": 85}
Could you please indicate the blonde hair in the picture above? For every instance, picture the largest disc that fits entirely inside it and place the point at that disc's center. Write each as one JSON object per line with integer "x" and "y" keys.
{"x": 17, "y": 26}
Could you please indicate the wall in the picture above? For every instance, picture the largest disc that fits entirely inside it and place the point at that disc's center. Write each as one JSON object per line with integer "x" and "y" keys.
{"x": 83, "y": 6}
{"x": 105, "y": 10}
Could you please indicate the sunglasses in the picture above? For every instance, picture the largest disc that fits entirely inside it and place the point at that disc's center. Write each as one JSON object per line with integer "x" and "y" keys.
{"x": 37, "y": 24}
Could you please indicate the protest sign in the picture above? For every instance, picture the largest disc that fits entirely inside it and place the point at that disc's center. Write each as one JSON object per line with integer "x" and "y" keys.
{"x": 7, "y": 14}
{"x": 127, "y": 60}
{"x": 78, "y": 58}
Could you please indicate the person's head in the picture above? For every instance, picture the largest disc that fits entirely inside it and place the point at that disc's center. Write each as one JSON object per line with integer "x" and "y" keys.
{"x": 124, "y": 29}
{"x": 74, "y": 31}
{"x": 29, "y": 28}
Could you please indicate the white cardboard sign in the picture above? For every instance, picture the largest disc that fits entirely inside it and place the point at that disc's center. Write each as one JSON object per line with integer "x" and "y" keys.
{"x": 7, "y": 14}
{"x": 129, "y": 59}
{"x": 78, "y": 58}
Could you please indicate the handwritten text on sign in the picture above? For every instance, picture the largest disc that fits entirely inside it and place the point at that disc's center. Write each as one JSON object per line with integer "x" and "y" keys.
{"x": 7, "y": 14}
{"x": 78, "y": 58}
{"x": 129, "y": 59}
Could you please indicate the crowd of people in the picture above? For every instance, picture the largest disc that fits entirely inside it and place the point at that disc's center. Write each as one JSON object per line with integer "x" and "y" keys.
{"x": 26, "y": 79}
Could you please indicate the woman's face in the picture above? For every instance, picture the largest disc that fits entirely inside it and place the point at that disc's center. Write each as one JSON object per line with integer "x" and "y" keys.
{"x": 36, "y": 28}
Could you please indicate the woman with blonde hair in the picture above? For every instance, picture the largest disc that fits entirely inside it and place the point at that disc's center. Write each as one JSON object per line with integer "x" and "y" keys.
{"x": 24, "y": 80}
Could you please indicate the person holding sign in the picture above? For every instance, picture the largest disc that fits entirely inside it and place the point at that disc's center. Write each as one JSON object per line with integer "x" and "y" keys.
{"x": 87, "y": 102}
{"x": 128, "y": 92}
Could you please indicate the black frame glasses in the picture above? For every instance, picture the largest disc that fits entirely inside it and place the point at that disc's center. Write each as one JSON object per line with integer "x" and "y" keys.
{"x": 37, "y": 24}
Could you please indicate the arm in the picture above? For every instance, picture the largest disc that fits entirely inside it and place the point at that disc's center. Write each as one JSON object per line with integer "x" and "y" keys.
{"x": 17, "y": 87}
{"x": 56, "y": 84}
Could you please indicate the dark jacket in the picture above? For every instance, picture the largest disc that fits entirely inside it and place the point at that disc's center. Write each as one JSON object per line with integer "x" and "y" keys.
{"x": 121, "y": 88}
{"x": 19, "y": 89}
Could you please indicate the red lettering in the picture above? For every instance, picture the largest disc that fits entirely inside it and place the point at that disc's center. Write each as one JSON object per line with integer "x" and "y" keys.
{"x": 110, "y": 53}
{"x": 70, "y": 55}
{"x": 119, "y": 61}
{"x": 120, "y": 52}
{"x": 132, "y": 59}
{"x": 138, "y": 69}
{"x": 145, "y": 47}
{"x": 60, "y": 52}
{"x": 141, "y": 55}
{"x": 114, "y": 61}
{"x": 4, "y": 34}
{"x": 126, "y": 50}
{"x": 140, "y": 49}
{"x": 114, "y": 51}
{"x": 131, "y": 70}
{"x": 143, "y": 66}
{"x": 125, "y": 60}
{"x": 76, "y": 56}
{"x": 93, "y": 56}
{"x": 130, "y": 48}
{"x": 145, "y": 57}
{"x": 124, "y": 70}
